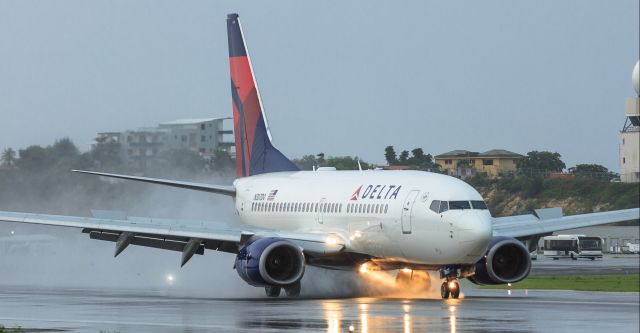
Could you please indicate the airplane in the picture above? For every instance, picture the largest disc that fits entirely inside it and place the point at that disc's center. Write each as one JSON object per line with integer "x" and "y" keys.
{"x": 410, "y": 221}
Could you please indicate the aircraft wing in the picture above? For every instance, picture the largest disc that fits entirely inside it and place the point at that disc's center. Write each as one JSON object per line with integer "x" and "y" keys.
{"x": 546, "y": 221}
{"x": 220, "y": 189}
{"x": 186, "y": 236}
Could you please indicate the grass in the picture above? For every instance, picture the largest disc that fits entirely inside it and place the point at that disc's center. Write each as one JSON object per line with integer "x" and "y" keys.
{"x": 625, "y": 283}
{"x": 10, "y": 330}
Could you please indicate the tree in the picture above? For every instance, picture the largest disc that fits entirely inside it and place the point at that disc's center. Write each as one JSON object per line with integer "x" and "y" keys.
{"x": 8, "y": 157}
{"x": 222, "y": 161}
{"x": 390, "y": 156}
{"x": 404, "y": 158}
{"x": 64, "y": 148}
{"x": 588, "y": 168}
{"x": 346, "y": 163}
{"x": 306, "y": 162}
{"x": 106, "y": 153}
{"x": 541, "y": 161}
{"x": 595, "y": 171}
{"x": 33, "y": 158}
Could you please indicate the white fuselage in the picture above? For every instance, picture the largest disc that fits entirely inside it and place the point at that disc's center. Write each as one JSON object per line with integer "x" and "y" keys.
{"x": 383, "y": 214}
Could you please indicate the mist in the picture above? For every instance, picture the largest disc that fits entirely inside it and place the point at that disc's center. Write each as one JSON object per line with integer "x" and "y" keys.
{"x": 36, "y": 256}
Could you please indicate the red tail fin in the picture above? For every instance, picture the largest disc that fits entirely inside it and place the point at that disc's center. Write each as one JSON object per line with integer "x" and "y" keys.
{"x": 254, "y": 152}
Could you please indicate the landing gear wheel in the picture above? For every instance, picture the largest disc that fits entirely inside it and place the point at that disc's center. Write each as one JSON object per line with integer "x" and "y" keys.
{"x": 272, "y": 291}
{"x": 455, "y": 292}
{"x": 293, "y": 290}
{"x": 444, "y": 290}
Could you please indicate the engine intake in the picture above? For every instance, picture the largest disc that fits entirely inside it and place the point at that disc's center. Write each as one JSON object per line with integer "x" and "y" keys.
{"x": 507, "y": 261}
{"x": 270, "y": 262}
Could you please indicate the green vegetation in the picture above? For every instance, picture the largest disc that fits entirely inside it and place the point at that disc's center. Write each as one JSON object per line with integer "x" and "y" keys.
{"x": 541, "y": 160}
{"x": 417, "y": 161}
{"x": 625, "y": 283}
{"x": 16, "y": 329}
{"x": 307, "y": 162}
{"x": 521, "y": 194}
{"x": 38, "y": 178}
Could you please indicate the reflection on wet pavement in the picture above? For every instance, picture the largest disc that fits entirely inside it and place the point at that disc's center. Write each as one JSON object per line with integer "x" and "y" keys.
{"x": 481, "y": 311}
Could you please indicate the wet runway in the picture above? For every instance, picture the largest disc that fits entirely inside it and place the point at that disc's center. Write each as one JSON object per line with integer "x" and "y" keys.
{"x": 90, "y": 310}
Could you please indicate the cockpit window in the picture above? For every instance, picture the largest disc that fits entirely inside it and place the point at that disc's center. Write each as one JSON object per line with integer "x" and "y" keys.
{"x": 478, "y": 204}
{"x": 459, "y": 205}
{"x": 444, "y": 206}
{"x": 435, "y": 205}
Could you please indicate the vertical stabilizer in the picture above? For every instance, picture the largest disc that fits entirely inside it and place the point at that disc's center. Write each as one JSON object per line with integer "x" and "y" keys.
{"x": 254, "y": 152}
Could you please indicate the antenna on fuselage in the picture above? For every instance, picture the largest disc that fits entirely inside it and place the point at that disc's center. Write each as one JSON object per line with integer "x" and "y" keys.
{"x": 359, "y": 166}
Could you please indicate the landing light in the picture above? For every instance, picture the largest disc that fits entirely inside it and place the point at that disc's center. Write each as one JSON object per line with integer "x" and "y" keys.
{"x": 170, "y": 279}
{"x": 452, "y": 285}
{"x": 331, "y": 241}
{"x": 406, "y": 270}
{"x": 363, "y": 268}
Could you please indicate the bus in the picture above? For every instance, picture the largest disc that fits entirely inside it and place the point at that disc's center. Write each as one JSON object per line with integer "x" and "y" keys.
{"x": 572, "y": 246}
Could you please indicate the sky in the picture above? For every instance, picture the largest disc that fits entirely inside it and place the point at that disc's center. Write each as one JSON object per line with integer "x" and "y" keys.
{"x": 339, "y": 77}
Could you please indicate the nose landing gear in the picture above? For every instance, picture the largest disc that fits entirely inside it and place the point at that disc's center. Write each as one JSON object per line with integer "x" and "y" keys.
{"x": 450, "y": 288}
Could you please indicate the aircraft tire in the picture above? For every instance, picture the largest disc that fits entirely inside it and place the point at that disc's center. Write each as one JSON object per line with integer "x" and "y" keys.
{"x": 444, "y": 290}
{"x": 272, "y": 291}
{"x": 293, "y": 290}
{"x": 455, "y": 293}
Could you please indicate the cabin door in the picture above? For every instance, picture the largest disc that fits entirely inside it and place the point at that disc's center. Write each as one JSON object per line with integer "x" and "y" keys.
{"x": 406, "y": 211}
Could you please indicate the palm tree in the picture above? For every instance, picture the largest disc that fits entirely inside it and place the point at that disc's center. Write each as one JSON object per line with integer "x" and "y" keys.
{"x": 8, "y": 157}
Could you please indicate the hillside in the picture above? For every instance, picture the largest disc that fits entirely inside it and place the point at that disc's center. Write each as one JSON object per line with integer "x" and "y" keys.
{"x": 520, "y": 195}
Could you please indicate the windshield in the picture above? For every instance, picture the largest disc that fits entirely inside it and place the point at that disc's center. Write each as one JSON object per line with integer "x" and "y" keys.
{"x": 590, "y": 243}
{"x": 443, "y": 206}
{"x": 459, "y": 205}
{"x": 478, "y": 204}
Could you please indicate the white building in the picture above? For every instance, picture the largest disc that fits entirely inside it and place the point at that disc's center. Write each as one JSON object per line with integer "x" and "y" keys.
{"x": 629, "y": 138}
{"x": 203, "y": 136}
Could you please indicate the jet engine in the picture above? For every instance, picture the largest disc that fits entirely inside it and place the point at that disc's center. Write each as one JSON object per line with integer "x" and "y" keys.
{"x": 270, "y": 262}
{"x": 506, "y": 261}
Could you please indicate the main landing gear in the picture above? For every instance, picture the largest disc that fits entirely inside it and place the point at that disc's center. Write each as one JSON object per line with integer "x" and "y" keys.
{"x": 292, "y": 290}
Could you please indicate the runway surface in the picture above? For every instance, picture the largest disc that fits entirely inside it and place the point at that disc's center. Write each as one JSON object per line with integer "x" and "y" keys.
{"x": 90, "y": 310}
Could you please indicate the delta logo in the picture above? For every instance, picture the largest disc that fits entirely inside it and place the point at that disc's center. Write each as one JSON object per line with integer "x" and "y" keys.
{"x": 376, "y": 192}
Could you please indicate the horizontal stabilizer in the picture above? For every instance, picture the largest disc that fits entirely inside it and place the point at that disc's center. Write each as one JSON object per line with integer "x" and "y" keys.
{"x": 220, "y": 189}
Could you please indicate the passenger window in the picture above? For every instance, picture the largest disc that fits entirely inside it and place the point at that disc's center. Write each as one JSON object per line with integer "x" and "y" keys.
{"x": 377, "y": 208}
{"x": 386, "y": 207}
{"x": 340, "y": 208}
{"x": 444, "y": 206}
{"x": 368, "y": 208}
{"x": 435, "y": 206}
{"x": 478, "y": 204}
{"x": 316, "y": 207}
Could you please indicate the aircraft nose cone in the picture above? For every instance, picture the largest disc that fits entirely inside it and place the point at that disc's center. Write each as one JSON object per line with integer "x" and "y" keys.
{"x": 475, "y": 232}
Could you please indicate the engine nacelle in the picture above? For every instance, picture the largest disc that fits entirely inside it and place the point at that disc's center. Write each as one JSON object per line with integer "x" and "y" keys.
{"x": 270, "y": 262}
{"x": 507, "y": 261}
